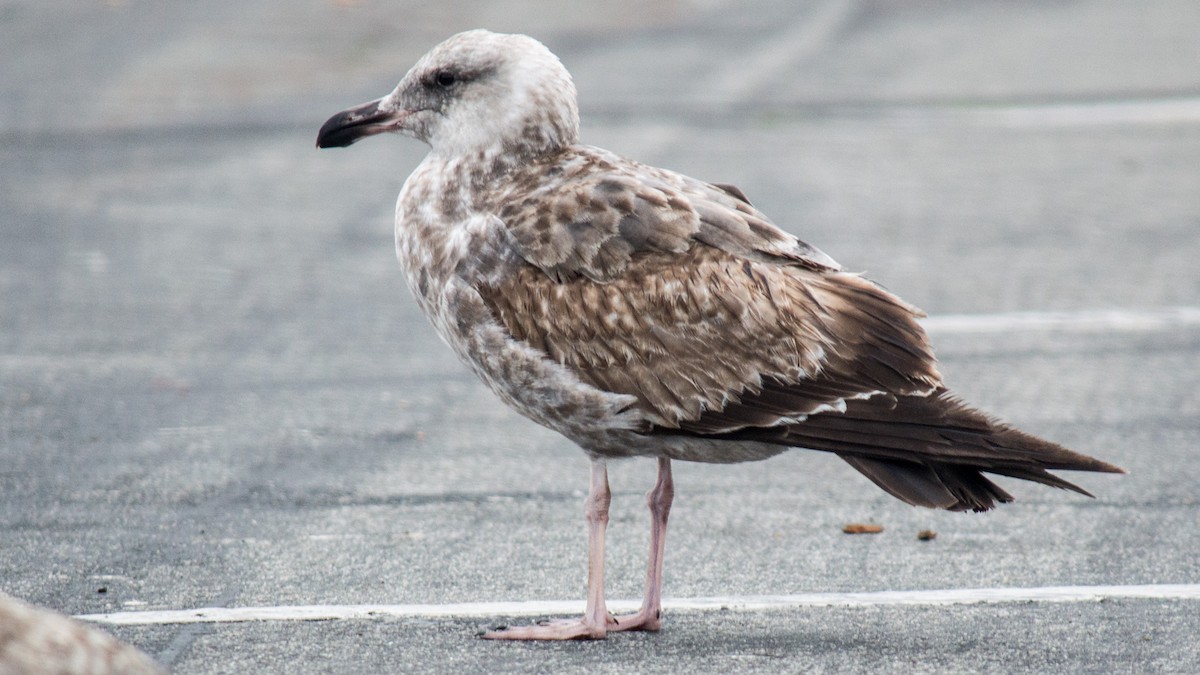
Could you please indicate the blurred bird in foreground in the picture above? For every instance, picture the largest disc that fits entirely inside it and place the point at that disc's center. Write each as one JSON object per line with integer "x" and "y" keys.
{"x": 35, "y": 640}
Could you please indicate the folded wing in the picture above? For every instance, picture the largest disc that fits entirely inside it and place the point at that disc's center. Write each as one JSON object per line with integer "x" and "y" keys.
{"x": 681, "y": 294}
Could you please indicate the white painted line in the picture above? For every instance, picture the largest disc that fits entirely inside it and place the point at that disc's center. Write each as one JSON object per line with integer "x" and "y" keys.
{"x": 1090, "y": 114}
{"x": 1086, "y": 321}
{"x": 964, "y": 596}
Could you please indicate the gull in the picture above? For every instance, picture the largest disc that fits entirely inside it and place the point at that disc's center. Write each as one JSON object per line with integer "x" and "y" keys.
{"x": 37, "y": 640}
{"x": 643, "y": 313}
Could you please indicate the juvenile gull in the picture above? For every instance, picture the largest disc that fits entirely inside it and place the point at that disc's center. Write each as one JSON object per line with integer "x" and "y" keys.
{"x": 640, "y": 312}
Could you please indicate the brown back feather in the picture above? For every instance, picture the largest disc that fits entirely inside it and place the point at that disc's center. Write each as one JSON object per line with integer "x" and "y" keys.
{"x": 679, "y": 293}
{"x": 696, "y": 335}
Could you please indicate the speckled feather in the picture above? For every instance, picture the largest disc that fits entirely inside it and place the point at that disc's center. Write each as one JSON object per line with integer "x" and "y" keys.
{"x": 641, "y": 312}
{"x": 34, "y": 640}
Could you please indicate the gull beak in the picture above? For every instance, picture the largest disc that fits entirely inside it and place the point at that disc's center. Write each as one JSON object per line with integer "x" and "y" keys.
{"x": 361, "y": 121}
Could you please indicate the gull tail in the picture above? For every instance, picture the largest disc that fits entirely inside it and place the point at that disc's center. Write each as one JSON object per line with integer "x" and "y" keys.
{"x": 933, "y": 450}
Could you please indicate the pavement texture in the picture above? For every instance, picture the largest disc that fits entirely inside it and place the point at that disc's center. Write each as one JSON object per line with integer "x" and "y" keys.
{"x": 216, "y": 391}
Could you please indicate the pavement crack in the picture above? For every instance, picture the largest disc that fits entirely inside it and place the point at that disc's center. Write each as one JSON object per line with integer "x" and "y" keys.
{"x": 189, "y": 633}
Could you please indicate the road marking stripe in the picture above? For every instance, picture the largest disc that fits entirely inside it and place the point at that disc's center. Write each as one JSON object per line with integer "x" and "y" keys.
{"x": 1099, "y": 320}
{"x": 1183, "y": 110}
{"x": 1079, "y": 321}
{"x": 965, "y": 596}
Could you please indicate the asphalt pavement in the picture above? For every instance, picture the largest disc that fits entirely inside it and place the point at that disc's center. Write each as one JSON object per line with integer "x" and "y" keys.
{"x": 215, "y": 390}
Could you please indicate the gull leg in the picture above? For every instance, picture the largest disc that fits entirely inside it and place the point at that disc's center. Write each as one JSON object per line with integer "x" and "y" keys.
{"x": 595, "y": 621}
{"x": 649, "y": 616}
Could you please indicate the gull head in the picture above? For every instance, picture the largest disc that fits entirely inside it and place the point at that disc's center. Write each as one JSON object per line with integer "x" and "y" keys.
{"x": 477, "y": 92}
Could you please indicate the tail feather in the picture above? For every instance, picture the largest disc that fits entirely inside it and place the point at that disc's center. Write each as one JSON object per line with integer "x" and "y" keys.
{"x": 951, "y": 488}
{"x": 931, "y": 450}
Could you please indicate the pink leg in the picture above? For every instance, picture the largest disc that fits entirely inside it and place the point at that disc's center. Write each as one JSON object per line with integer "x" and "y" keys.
{"x": 649, "y": 616}
{"x": 595, "y": 621}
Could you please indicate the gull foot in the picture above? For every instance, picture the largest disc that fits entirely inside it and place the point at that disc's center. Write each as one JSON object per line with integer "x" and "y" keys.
{"x": 644, "y": 619}
{"x": 563, "y": 629}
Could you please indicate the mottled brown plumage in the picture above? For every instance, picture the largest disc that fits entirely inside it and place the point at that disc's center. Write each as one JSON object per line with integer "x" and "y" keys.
{"x": 644, "y": 313}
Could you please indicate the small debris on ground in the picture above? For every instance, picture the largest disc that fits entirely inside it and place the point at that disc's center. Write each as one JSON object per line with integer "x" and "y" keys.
{"x": 862, "y": 528}
{"x": 926, "y": 535}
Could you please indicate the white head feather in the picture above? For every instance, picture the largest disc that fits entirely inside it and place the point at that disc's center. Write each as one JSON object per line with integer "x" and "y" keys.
{"x": 481, "y": 91}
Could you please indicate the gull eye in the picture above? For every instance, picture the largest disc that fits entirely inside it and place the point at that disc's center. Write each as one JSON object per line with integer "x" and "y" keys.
{"x": 445, "y": 79}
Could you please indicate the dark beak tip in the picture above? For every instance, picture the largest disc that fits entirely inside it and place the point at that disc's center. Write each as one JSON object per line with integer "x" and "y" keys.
{"x": 324, "y": 144}
{"x": 337, "y": 132}
{"x": 348, "y": 126}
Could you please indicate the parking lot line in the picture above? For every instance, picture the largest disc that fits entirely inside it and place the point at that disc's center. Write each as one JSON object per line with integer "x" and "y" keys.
{"x": 746, "y": 603}
{"x": 1099, "y": 320}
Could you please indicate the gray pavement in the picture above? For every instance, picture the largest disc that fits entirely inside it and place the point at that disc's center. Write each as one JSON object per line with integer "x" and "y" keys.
{"x": 216, "y": 391}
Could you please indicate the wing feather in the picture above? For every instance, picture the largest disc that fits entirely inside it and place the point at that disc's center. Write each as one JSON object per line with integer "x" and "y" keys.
{"x": 722, "y": 326}
{"x": 692, "y": 333}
